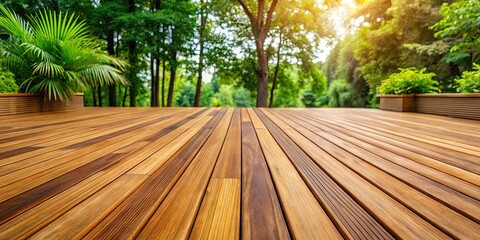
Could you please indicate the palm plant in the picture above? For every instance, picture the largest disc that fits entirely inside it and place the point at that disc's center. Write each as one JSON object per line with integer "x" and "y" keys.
{"x": 55, "y": 55}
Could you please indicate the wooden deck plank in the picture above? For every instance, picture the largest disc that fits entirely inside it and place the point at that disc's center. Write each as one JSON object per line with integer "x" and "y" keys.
{"x": 452, "y": 155}
{"x": 350, "y": 218}
{"x": 430, "y": 168}
{"x": 250, "y": 173}
{"x": 80, "y": 219}
{"x": 58, "y": 166}
{"x": 453, "y": 158}
{"x": 129, "y": 218}
{"x": 396, "y": 217}
{"x": 176, "y": 215}
{"x": 433, "y": 211}
{"x": 260, "y": 204}
{"x": 464, "y": 204}
{"x": 219, "y": 215}
{"x": 229, "y": 161}
{"x": 305, "y": 217}
{"x": 34, "y": 219}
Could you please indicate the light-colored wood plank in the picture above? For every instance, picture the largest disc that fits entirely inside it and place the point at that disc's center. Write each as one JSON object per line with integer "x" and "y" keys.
{"x": 219, "y": 215}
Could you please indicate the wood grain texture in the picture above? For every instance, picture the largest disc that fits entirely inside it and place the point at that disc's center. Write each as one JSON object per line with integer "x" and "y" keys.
{"x": 260, "y": 204}
{"x": 218, "y": 173}
{"x": 219, "y": 215}
{"x": 305, "y": 217}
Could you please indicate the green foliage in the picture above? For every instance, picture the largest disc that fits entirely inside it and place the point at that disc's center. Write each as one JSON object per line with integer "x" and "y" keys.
{"x": 460, "y": 19}
{"x": 352, "y": 90}
{"x": 342, "y": 94}
{"x": 409, "y": 81}
{"x": 187, "y": 95}
{"x": 7, "y": 82}
{"x": 309, "y": 98}
{"x": 55, "y": 55}
{"x": 470, "y": 81}
{"x": 385, "y": 41}
{"x": 225, "y": 96}
{"x": 206, "y": 95}
{"x": 242, "y": 98}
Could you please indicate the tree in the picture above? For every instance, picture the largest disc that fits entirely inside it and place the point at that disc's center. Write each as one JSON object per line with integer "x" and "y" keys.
{"x": 460, "y": 24}
{"x": 260, "y": 25}
{"x": 55, "y": 55}
{"x": 201, "y": 40}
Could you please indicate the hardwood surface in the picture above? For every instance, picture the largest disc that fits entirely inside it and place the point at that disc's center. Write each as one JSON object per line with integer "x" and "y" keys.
{"x": 219, "y": 173}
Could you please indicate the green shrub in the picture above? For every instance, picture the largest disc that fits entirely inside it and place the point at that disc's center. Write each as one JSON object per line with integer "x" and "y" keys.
{"x": 470, "y": 81}
{"x": 7, "y": 82}
{"x": 343, "y": 94}
{"x": 409, "y": 81}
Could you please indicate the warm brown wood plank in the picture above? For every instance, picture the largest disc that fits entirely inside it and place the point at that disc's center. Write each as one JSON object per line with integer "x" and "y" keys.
{"x": 27, "y": 223}
{"x": 76, "y": 222}
{"x": 349, "y": 217}
{"x": 305, "y": 217}
{"x": 250, "y": 173}
{"x": 260, "y": 204}
{"x": 229, "y": 161}
{"x": 430, "y": 168}
{"x": 176, "y": 215}
{"x": 131, "y": 216}
{"x": 415, "y": 200}
{"x": 219, "y": 216}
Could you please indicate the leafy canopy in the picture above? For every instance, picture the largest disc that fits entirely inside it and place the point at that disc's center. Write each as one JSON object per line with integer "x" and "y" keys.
{"x": 461, "y": 19}
{"x": 409, "y": 81}
{"x": 55, "y": 55}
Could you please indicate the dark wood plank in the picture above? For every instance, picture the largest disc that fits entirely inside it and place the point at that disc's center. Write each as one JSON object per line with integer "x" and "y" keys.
{"x": 260, "y": 205}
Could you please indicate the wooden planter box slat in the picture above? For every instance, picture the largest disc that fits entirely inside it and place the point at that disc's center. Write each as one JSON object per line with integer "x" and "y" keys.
{"x": 447, "y": 104}
{"x": 399, "y": 103}
{"x": 454, "y": 105}
{"x": 30, "y": 103}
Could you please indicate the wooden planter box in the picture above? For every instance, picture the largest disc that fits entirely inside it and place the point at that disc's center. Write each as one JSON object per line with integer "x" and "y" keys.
{"x": 449, "y": 104}
{"x": 399, "y": 103}
{"x": 28, "y": 103}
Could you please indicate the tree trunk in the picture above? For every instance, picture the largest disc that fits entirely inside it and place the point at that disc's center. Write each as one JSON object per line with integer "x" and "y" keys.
{"x": 132, "y": 49}
{"x": 94, "y": 94}
{"x": 173, "y": 73}
{"x": 275, "y": 75}
{"x": 163, "y": 83}
{"x": 155, "y": 65}
{"x": 201, "y": 31}
{"x": 262, "y": 75}
{"x": 153, "y": 84}
{"x": 112, "y": 93}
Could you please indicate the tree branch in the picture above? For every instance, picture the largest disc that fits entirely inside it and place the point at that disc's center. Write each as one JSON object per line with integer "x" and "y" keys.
{"x": 270, "y": 15}
{"x": 247, "y": 11}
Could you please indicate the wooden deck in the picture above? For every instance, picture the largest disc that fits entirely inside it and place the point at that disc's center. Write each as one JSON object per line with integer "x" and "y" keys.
{"x": 101, "y": 173}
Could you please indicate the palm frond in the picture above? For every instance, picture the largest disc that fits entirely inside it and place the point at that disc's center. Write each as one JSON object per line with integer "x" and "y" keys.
{"x": 48, "y": 69}
{"x": 101, "y": 74}
{"x": 13, "y": 24}
{"x": 52, "y": 88}
{"x": 38, "y": 52}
